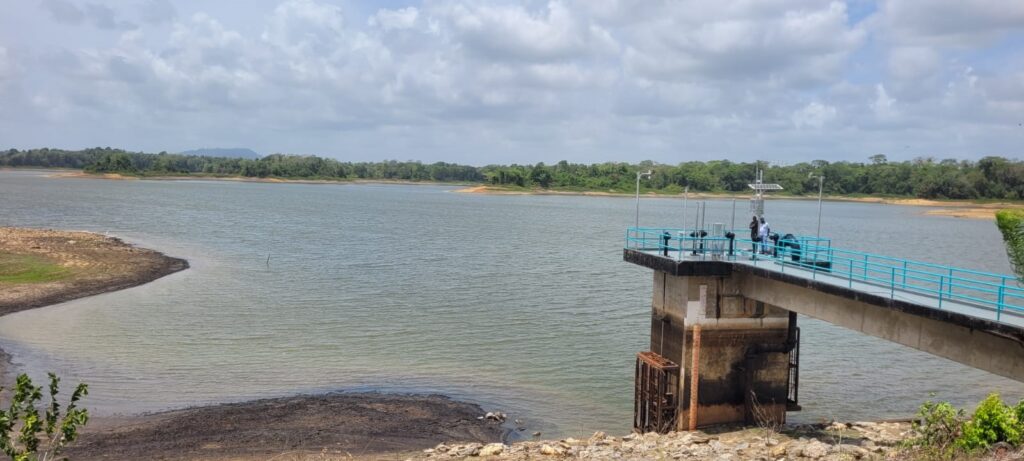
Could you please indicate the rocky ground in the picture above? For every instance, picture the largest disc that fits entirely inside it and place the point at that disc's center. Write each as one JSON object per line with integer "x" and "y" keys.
{"x": 835, "y": 442}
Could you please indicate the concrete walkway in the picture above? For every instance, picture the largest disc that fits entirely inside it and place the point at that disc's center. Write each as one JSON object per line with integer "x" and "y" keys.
{"x": 1006, "y": 317}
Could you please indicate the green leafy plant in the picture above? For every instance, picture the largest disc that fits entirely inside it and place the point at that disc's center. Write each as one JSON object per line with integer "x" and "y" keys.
{"x": 938, "y": 425}
{"x": 1011, "y": 224}
{"x": 991, "y": 423}
{"x": 21, "y": 425}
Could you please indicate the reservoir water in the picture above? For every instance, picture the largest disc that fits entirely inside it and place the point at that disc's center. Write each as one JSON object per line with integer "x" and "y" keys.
{"x": 518, "y": 303}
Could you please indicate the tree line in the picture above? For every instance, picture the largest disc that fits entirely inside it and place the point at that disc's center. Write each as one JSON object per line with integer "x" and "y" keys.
{"x": 987, "y": 178}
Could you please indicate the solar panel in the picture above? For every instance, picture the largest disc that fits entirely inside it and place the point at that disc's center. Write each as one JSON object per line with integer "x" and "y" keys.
{"x": 765, "y": 186}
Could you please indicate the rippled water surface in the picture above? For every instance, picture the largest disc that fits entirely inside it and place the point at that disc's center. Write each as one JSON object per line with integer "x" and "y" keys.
{"x": 519, "y": 303}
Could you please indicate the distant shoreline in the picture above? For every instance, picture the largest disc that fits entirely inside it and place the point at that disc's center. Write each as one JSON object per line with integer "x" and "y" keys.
{"x": 77, "y": 174}
{"x": 951, "y": 208}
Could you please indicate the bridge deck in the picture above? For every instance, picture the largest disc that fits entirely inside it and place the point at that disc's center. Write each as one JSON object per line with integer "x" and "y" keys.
{"x": 1006, "y": 317}
{"x": 981, "y": 295}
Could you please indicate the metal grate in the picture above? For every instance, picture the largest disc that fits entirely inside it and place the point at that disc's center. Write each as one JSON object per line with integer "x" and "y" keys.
{"x": 793, "y": 397}
{"x": 654, "y": 405}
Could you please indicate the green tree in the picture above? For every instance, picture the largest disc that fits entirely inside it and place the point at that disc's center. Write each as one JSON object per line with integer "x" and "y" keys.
{"x": 1011, "y": 224}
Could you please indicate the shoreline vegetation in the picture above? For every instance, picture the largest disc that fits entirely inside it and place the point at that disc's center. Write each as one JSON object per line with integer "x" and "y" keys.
{"x": 970, "y": 209}
{"x": 989, "y": 179}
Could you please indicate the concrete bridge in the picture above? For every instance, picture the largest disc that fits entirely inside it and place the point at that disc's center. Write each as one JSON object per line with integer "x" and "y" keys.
{"x": 735, "y": 311}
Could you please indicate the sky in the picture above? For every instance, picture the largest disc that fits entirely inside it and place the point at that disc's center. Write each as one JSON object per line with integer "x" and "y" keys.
{"x": 482, "y": 82}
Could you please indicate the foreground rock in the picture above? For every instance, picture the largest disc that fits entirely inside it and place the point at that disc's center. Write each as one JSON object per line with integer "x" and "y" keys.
{"x": 95, "y": 264}
{"x": 319, "y": 427}
{"x": 833, "y": 442}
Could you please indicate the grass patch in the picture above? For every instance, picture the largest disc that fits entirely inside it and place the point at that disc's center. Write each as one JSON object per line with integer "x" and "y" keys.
{"x": 17, "y": 268}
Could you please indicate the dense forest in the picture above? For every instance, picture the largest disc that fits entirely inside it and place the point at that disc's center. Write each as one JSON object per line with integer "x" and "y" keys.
{"x": 987, "y": 178}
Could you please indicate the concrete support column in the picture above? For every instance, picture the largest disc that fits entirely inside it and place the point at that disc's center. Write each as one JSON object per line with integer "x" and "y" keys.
{"x": 744, "y": 347}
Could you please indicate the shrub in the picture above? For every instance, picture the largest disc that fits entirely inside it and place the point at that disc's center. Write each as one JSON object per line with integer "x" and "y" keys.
{"x": 939, "y": 426}
{"x": 992, "y": 422}
{"x": 21, "y": 424}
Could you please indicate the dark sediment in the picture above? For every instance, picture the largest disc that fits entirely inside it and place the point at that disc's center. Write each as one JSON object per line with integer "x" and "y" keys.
{"x": 331, "y": 426}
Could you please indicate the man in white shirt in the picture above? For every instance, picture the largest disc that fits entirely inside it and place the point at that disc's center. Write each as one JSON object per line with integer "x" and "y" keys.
{"x": 763, "y": 233}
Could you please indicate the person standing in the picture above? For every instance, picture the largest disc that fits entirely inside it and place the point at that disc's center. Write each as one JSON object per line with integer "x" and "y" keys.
{"x": 754, "y": 232}
{"x": 762, "y": 234}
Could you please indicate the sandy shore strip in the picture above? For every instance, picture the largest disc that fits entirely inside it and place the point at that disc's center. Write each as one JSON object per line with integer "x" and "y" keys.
{"x": 952, "y": 208}
{"x": 39, "y": 267}
{"x": 202, "y": 177}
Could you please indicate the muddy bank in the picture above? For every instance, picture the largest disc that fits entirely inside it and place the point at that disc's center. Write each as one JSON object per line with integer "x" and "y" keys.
{"x": 332, "y": 426}
{"x": 93, "y": 264}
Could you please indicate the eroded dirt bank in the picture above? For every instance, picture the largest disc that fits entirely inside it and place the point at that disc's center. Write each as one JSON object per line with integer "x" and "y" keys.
{"x": 94, "y": 264}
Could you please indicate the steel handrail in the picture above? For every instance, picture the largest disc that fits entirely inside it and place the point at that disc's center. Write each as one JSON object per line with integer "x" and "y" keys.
{"x": 946, "y": 283}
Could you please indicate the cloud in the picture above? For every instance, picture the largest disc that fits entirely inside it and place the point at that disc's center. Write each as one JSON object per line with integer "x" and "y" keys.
{"x": 957, "y": 23}
{"x": 883, "y": 105}
{"x": 746, "y": 41}
{"x": 484, "y": 82}
{"x": 814, "y": 115}
{"x": 99, "y": 15}
{"x": 914, "y": 62}
{"x": 157, "y": 11}
{"x": 103, "y": 17}
{"x": 502, "y": 32}
{"x": 63, "y": 11}
{"x": 403, "y": 18}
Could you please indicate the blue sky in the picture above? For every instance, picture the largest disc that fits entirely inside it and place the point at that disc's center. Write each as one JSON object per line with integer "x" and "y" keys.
{"x": 507, "y": 81}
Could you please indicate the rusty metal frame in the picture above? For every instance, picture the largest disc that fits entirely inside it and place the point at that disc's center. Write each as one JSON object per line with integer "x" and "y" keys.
{"x": 654, "y": 404}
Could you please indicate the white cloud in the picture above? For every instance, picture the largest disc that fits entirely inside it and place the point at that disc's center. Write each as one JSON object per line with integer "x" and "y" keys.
{"x": 814, "y": 114}
{"x": 503, "y": 32}
{"x": 745, "y": 41}
{"x": 914, "y": 62}
{"x": 476, "y": 81}
{"x": 883, "y": 105}
{"x": 403, "y": 18}
{"x": 958, "y": 23}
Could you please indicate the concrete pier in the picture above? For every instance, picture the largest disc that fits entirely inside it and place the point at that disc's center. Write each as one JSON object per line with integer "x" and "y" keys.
{"x": 744, "y": 365}
{"x": 749, "y": 354}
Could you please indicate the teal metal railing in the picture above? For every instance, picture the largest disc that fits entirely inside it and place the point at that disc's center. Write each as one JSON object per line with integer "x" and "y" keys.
{"x": 816, "y": 256}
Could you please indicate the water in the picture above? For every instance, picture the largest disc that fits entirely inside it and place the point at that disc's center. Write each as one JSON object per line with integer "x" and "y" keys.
{"x": 519, "y": 303}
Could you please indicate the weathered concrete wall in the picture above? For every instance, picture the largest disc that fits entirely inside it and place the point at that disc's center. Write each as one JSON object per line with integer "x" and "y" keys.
{"x": 731, "y": 327}
{"x": 972, "y": 342}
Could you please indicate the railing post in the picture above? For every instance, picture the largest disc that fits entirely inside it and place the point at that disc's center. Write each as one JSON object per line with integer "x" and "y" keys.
{"x": 950, "y": 286}
{"x": 892, "y": 283}
{"x": 850, "y": 274}
{"x": 865, "y": 268}
{"x": 1002, "y": 294}
{"x": 942, "y": 280}
{"x": 904, "y": 274}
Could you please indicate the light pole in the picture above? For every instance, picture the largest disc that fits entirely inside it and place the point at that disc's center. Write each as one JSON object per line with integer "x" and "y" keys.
{"x": 821, "y": 182}
{"x": 638, "y": 176}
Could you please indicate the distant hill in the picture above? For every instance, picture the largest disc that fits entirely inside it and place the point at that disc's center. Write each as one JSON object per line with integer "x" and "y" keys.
{"x": 238, "y": 152}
